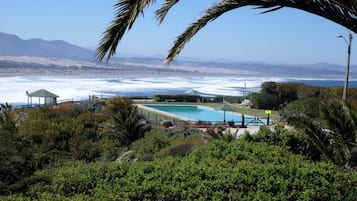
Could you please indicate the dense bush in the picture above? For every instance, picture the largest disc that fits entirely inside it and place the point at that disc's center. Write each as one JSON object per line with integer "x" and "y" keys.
{"x": 218, "y": 171}
{"x": 292, "y": 140}
{"x": 307, "y": 106}
{"x": 281, "y": 94}
{"x": 154, "y": 141}
{"x": 181, "y": 146}
{"x": 257, "y": 167}
{"x": 86, "y": 143}
{"x": 263, "y": 101}
{"x": 61, "y": 134}
{"x": 17, "y": 154}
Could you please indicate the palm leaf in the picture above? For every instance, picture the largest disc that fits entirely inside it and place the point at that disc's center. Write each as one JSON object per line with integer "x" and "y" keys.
{"x": 349, "y": 4}
{"x": 211, "y": 14}
{"x": 335, "y": 136}
{"x": 340, "y": 119}
{"x": 127, "y": 12}
{"x": 319, "y": 137}
{"x": 271, "y": 10}
{"x": 162, "y": 12}
{"x": 341, "y": 12}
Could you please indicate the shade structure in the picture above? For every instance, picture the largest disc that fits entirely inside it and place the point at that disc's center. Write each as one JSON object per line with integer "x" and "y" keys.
{"x": 225, "y": 107}
{"x": 49, "y": 97}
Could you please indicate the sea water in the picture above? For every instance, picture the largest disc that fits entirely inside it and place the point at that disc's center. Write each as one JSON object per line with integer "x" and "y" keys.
{"x": 13, "y": 89}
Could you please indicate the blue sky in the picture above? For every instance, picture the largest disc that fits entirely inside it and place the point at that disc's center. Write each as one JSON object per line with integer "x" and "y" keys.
{"x": 286, "y": 36}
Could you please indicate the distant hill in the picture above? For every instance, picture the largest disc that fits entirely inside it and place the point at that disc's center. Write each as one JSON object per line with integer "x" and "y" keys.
{"x": 36, "y": 51}
{"x": 12, "y": 45}
{"x": 334, "y": 67}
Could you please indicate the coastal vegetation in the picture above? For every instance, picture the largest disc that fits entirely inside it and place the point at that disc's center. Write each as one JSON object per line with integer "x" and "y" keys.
{"x": 108, "y": 150}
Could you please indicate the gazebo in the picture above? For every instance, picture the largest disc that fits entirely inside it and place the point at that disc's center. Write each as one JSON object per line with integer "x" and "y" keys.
{"x": 49, "y": 98}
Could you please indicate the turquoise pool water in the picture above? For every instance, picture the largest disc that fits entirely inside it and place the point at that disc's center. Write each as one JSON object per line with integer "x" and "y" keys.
{"x": 200, "y": 113}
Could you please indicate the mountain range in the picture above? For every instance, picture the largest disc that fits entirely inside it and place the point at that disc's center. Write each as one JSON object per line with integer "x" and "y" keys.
{"x": 13, "y": 47}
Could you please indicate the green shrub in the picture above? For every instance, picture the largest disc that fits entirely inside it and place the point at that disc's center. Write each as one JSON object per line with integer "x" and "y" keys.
{"x": 293, "y": 141}
{"x": 263, "y": 101}
{"x": 17, "y": 155}
{"x": 181, "y": 146}
{"x": 218, "y": 171}
{"x": 153, "y": 141}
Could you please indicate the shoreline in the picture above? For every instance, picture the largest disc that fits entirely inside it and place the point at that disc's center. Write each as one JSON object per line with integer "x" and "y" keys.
{"x": 30, "y": 72}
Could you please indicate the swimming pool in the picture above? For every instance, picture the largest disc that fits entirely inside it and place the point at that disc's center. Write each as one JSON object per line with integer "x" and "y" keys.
{"x": 199, "y": 113}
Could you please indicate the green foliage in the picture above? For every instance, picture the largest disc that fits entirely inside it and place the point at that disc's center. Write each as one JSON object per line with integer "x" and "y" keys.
{"x": 283, "y": 93}
{"x": 228, "y": 136}
{"x": 218, "y": 171}
{"x": 248, "y": 169}
{"x": 334, "y": 133}
{"x": 85, "y": 142}
{"x": 23, "y": 185}
{"x": 154, "y": 141}
{"x": 307, "y": 106}
{"x": 263, "y": 101}
{"x": 125, "y": 124}
{"x": 269, "y": 88}
{"x": 293, "y": 141}
{"x": 216, "y": 132}
{"x": 352, "y": 97}
{"x": 181, "y": 146}
{"x": 48, "y": 129}
{"x": 16, "y": 154}
{"x": 62, "y": 133}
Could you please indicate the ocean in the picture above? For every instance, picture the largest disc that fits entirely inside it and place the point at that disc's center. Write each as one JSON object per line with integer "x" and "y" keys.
{"x": 327, "y": 83}
{"x": 13, "y": 89}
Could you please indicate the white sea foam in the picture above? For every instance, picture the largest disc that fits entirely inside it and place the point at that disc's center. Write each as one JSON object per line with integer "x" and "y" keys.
{"x": 13, "y": 89}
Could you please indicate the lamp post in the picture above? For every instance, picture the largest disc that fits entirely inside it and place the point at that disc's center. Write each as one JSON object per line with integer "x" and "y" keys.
{"x": 349, "y": 43}
{"x": 268, "y": 112}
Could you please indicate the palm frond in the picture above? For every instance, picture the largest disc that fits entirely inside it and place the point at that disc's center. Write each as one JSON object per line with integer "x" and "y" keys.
{"x": 342, "y": 12}
{"x": 349, "y": 4}
{"x": 211, "y": 14}
{"x": 316, "y": 135}
{"x": 127, "y": 12}
{"x": 166, "y": 7}
{"x": 339, "y": 12}
{"x": 275, "y": 8}
{"x": 340, "y": 119}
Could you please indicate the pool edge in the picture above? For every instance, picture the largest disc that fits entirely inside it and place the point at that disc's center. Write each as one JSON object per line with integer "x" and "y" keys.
{"x": 142, "y": 106}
